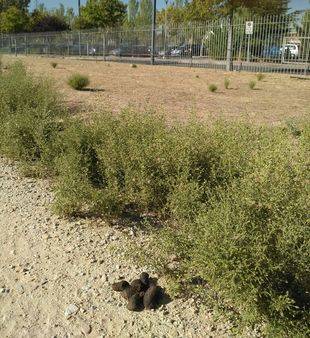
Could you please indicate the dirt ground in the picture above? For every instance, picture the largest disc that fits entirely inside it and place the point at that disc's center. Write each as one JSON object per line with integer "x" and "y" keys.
{"x": 179, "y": 92}
{"x": 56, "y": 275}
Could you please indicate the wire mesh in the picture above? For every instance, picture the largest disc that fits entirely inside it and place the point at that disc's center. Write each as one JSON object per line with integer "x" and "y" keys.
{"x": 275, "y": 44}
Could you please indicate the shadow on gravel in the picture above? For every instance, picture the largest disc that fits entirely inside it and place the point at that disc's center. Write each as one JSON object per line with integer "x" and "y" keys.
{"x": 93, "y": 90}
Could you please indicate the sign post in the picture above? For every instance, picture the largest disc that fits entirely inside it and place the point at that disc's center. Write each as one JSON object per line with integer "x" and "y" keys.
{"x": 249, "y": 27}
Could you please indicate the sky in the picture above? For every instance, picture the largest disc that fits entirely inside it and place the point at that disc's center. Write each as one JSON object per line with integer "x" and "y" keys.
{"x": 50, "y": 4}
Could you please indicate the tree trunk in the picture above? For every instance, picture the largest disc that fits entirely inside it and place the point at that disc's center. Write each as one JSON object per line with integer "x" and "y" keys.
{"x": 229, "y": 60}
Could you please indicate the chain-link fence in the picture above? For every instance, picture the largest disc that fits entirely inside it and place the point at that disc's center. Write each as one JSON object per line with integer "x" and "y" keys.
{"x": 260, "y": 44}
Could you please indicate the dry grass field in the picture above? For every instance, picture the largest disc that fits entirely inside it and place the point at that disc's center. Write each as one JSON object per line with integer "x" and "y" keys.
{"x": 178, "y": 92}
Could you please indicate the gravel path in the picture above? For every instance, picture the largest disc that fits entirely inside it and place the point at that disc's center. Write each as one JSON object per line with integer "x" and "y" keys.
{"x": 55, "y": 275}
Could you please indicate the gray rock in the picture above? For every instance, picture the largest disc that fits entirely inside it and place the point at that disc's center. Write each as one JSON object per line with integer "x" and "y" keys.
{"x": 85, "y": 328}
{"x": 71, "y": 310}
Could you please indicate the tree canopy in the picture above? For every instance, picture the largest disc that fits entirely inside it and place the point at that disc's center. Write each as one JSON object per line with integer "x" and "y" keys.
{"x": 19, "y": 4}
{"x": 41, "y": 21}
{"x": 198, "y": 10}
{"x": 13, "y": 20}
{"x": 101, "y": 13}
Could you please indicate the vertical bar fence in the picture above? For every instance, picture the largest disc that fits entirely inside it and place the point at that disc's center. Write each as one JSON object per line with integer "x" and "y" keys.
{"x": 276, "y": 44}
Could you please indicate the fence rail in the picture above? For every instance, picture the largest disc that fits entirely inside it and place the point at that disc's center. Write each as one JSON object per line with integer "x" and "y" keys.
{"x": 260, "y": 44}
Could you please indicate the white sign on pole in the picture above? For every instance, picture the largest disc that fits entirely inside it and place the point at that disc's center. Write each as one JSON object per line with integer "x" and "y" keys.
{"x": 249, "y": 25}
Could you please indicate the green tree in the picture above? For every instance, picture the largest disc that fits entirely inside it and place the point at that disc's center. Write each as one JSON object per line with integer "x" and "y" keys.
{"x": 171, "y": 15}
{"x": 199, "y": 10}
{"x": 13, "y": 20}
{"x": 64, "y": 14}
{"x": 144, "y": 17}
{"x": 19, "y": 4}
{"x": 101, "y": 13}
{"x": 69, "y": 17}
{"x": 133, "y": 8}
{"x": 44, "y": 21}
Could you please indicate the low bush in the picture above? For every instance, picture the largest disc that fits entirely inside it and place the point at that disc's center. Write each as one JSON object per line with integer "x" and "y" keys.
{"x": 212, "y": 88}
{"x": 78, "y": 81}
{"x": 247, "y": 238}
{"x": 31, "y": 116}
{"x": 252, "y": 85}
{"x": 260, "y": 76}
{"x": 133, "y": 65}
{"x": 54, "y": 64}
{"x": 226, "y": 83}
{"x": 233, "y": 196}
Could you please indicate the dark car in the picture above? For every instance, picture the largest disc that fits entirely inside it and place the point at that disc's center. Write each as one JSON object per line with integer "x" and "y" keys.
{"x": 189, "y": 50}
{"x": 272, "y": 52}
{"x": 130, "y": 50}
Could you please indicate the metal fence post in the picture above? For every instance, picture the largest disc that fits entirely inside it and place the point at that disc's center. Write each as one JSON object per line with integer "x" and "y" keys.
{"x": 229, "y": 62}
{"x": 153, "y": 33}
{"x": 26, "y": 45}
{"x": 80, "y": 53}
{"x": 68, "y": 46}
{"x": 103, "y": 46}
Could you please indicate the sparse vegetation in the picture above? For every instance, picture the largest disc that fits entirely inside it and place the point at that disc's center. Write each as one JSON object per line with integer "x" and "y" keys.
{"x": 78, "y": 81}
{"x": 232, "y": 198}
{"x": 212, "y": 87}
{"x": 54, "y": 64}
{"x": 252, "y": 85}
{"x": 260, "y": 76}
{"x": 226, "y": 83}
{"x": 31, "y": 114}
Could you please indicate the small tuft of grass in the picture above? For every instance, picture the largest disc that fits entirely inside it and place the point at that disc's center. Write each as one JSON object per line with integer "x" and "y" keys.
{"x": 212, "y": 87}
{"x": 133, "y": 65}
{"x": 252, "y": 84}
{"x": 260, "y": 76}
{"x": 226, "y": 83}
{"x": 54, "y": 64}
{"x": 78, "y": 81}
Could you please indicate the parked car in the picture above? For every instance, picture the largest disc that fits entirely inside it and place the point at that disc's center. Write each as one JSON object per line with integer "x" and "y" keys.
{"x": 272, "y": 52}
{"x": 130, "y": 50}
{"x": 291, "y": 51}
{"x": 164, "y": 52}
{"x": 189, "y": 50}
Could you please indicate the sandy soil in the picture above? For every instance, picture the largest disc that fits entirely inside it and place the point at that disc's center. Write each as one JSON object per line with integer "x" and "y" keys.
{"x": 51, "y": 266}
{"x": 179, "y": 92}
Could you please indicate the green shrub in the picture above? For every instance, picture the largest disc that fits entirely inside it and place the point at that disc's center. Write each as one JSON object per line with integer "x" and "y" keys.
{"x": 31, "y": 116}
{"x": 54, "y": 64}
{"x": 232, "y": 198}
{"x": 260, "y": 76}
{"x": 252, "y": 84}
{"x": 212, "y": 88}
{"x": 133, "y": 65}
{"x": 78, "y": 81}
{"x": 124, "y": 156}
{"x": 226, "y": 83}
{"x": 248, "y": 238}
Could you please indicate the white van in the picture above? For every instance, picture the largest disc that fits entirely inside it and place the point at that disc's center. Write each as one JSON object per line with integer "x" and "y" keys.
{"x": 290, "y": 49}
